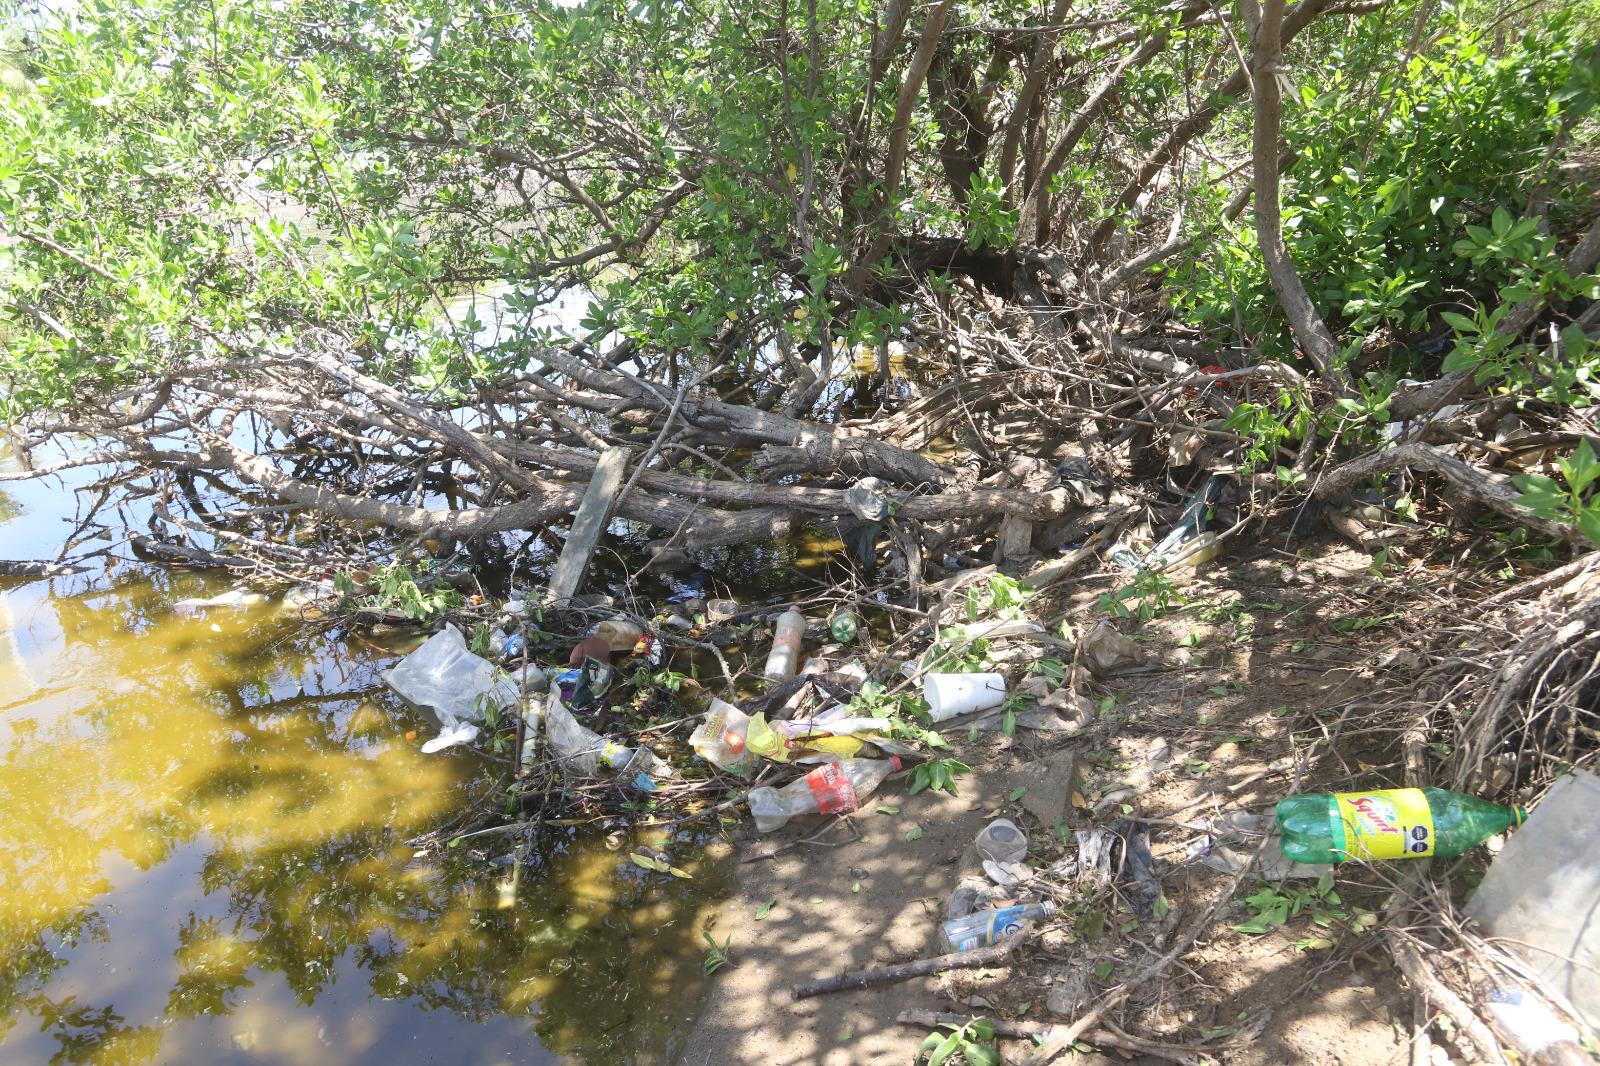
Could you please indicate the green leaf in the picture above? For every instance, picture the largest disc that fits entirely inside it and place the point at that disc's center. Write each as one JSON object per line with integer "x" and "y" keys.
{"x": 884, "y": 808}
{"x": 1018, "y": 792}
{"x": 914, "y": 833}
{"x": 856, "y": 887}
{"x": 980, "y": 1055}
{"x": 765, "y": 909}
{"x": 946, "y": 1048}
{"x": 1459, "y": 321}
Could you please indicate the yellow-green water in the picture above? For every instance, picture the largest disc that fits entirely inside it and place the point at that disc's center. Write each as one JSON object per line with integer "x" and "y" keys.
{"x": 203, "y": 856}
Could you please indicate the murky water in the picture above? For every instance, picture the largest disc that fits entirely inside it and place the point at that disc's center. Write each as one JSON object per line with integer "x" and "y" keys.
{"x": 203, "y": 854}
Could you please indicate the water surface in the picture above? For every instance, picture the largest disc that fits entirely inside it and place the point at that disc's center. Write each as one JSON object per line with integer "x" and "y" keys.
{"x": 204, "y": 852}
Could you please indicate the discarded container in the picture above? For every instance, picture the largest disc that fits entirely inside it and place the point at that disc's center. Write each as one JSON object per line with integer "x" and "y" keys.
{"x": 949, "y": 695}
{"x": 833, "y": 788}
{"x": 986, "y": 927}
{"x": 497, "y": 643}
{"x": 596, "y": 647}
{"x": 238, "y": 599}
{"x": 721, "y": 610}
{"x": 868, "y": 499}
{"x": 582, "y": 751}
{"x": 787, "y": 636}
{"x": 843, "y": 625}
{"x": 720, "y": 739}
{"x": 446, "y": 677}
{"x": 515, "y": 645}
{"x": 1107, "y": 651}
{"x": 1391, "y": 823}
{"x": 1001, "y": 841}
{"x": 621, "y": 634}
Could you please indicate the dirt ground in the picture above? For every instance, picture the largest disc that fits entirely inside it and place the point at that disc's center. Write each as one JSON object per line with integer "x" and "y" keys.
{"x": 1247, "y": 682}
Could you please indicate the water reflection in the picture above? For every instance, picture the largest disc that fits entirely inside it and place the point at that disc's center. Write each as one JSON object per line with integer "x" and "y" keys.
{"x": 203, "y": 859}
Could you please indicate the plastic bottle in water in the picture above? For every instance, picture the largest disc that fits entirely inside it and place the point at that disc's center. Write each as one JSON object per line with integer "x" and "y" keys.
{"x": 1391, "y": 823}
{"x": 832, "y": 788}
{"x": 787, "y": 636}
{"x": 983, "y": 928}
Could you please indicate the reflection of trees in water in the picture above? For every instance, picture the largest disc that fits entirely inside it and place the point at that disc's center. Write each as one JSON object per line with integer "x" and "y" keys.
{"x": 306, "y": 792}
{"x": 9, "y": 507}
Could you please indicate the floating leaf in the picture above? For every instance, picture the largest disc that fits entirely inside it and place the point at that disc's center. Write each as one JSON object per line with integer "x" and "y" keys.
{"x": 677, "y": 871}
{"x": 648, "y": 862}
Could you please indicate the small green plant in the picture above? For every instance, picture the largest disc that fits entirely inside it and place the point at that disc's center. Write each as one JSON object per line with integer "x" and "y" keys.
{"x": 973, "y": 1042}
{"x": 1150, "y": 595}
{"x": 396, "y": 588}
{"x": 718, "y": 956}
{"x": 1550, "y": 500}
{"x": 937, "y": 774}
{"x": 1272, "y": 906}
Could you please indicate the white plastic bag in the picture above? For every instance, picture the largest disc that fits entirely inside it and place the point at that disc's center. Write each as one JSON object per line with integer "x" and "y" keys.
{"x": 445, "y": 677}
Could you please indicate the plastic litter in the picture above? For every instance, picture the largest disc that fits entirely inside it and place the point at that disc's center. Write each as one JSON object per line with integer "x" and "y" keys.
{"x": 619, "y": 633}
{"x": 843, "y": 625}
{"x": 1107, "y": 651}
{"x": 1389, "y": 823}
{"x": 583, "y": 752}
{"x": 868, "y": 499}
{"x": 595, "y": 647}
{"x": 949, "y": 695}
{"x": 1536, "y": 1030}
{"x": 718, "y": 611}
{"x": 719, "y": 739}
{"x": 833, "y": 788}
{"x": 973, "y": 893}
{"x": 237, "y": 599}
{"x": 787, "y": 636}
{"x": 986, "y": 927}
{"x": 1001, "y": 841}
{"x": 444, "y": 676}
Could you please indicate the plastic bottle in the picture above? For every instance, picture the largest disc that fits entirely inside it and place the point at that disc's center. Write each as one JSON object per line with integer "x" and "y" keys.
{"x": 787, "y": 636}
{"x": 1393, "y": 823}
{"x": 1002, "y": 841}
{"x": 620, "y": 633}
{"x": 833, "y": 788}
{"x": 991, "y": 926}
{"x": 843, "y": 625}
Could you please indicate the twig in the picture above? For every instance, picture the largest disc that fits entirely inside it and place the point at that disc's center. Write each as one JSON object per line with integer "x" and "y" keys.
{"x": 993, "y": 955}
{"x": 1029, "y": 1030}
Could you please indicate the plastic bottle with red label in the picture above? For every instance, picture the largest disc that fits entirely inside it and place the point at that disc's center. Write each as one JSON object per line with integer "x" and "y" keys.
{"x": 1390, "y": 823}
{"x": 832, "y": 788}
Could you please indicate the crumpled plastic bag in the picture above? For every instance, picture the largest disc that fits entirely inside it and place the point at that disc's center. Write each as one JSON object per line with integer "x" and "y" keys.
{"x": 1107, "y": 651}
{"x": 447, "y": 678}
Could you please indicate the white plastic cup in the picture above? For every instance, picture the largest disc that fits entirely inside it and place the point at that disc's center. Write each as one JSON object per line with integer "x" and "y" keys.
{"x": 949, "y": 695}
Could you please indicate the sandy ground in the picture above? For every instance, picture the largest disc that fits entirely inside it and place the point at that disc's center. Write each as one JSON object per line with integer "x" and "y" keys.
{"x": 1201, "y": 735}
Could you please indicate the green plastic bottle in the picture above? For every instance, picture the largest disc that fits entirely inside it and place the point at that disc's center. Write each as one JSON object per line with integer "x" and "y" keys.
{"x": 1392, "y": 823}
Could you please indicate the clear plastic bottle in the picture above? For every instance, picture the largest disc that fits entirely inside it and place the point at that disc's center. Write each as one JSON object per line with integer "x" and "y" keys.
{"x": 787, "y": 637}
{"x": 991, "y": 926}
{"x": 832, "y": 788}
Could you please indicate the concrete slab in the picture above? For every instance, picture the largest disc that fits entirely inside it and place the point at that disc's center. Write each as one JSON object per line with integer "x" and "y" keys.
{"x": 1542, "y": 893}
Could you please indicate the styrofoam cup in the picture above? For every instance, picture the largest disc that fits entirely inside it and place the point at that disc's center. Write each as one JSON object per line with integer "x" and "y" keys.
{"x": 951, "y": 694}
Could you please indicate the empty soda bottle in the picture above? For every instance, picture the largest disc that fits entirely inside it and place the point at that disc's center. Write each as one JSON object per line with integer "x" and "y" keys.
{"x": 991, "y": 926}
{"x": 832, "y": 788}
{"x": 1390, "y": 823}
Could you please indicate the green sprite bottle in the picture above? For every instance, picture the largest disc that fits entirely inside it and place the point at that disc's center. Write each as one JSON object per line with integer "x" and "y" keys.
{"x": 1392, "y": 823}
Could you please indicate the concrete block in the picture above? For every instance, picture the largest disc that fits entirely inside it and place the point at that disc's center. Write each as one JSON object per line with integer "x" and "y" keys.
{"x": 1542, "y": 893}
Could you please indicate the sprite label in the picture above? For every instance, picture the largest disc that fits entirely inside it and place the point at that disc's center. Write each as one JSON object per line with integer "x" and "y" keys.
{"x": 1391, "y": 823}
